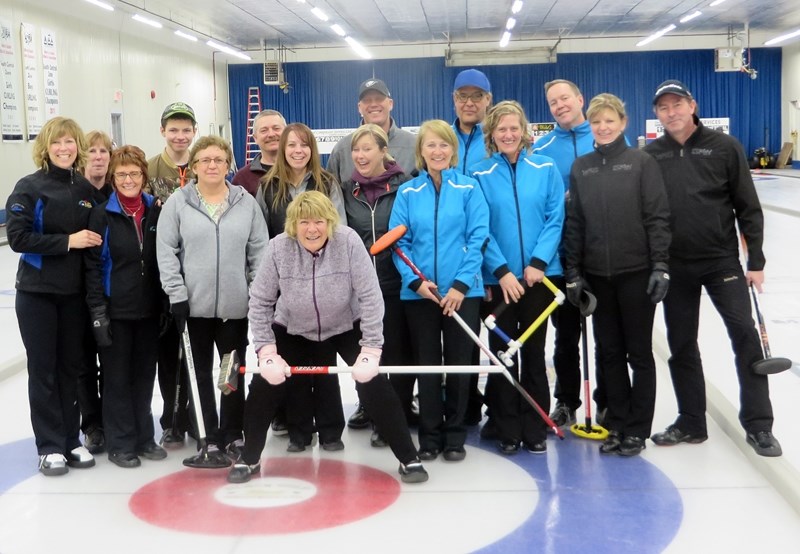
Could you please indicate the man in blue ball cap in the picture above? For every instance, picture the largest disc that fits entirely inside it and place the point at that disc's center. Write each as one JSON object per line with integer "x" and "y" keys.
{"x": 472, "y": 96}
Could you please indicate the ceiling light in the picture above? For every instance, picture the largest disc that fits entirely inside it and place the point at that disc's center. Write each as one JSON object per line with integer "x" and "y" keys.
{"x": 654, "y": 36}
{"x": 781, "y": 38}
{"x": 100, "y": 4}
{"x": 319, "y": 13}
{"x": 510, "y": 23}
{"x": 338, "y": 29}
{"x": 691, "y": 16}
{"x": 187, "y": 36}
{"x": 516, "y": 7}
{"x": 228, "y": 50}
{"x": 142, "y": 19}
{"x": 716, "y": 3}
{"x": 359, "y": 49}
{"x": 504, "y": 40}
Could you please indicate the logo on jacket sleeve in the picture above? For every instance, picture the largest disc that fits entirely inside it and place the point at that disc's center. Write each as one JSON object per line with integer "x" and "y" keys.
{"x": 85, "y": 204}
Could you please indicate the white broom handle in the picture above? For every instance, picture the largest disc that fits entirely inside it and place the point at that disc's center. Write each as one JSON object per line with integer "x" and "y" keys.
{"x": 409, "y": 369}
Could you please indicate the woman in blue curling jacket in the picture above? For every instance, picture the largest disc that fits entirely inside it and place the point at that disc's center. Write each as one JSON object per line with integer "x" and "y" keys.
{"x": 448, "y": 226}
{"x": 526, "y": 206}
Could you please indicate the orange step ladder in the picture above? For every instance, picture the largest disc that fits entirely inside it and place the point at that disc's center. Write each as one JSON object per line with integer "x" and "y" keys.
{"x": 253, "y": 109}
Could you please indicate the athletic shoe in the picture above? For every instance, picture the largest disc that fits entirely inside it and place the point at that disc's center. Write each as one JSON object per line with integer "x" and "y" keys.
{"x": 377, "y": 440}
{"x": 240, "y": 473}
{"x": 538, "y": 447}
{"x": 279, "y": 428}
{"x": 124, "y": 459}
{"x": 80, "y": 458}
{"x": 428, "y": 454}
{"x": 333, "y": 446}
{"x": 52, "y": 464}
{"x": 234, "y": 449}
{"x": 611, "y": 444}
{"x": 631, "y": 446}
{"x": 94, "y": 440}
{"x": 172, "y": 439}
{"x": 360, "y": 419}
{"x": 562, "y": 416}
{"x": 765, "y": 444}
{"x": 153, "y": 452}
{"x": 673, "y": 436}
{"x": 413, "y": 472}
{"x": 508, "y": 448}
{"x": 454, "y": 454}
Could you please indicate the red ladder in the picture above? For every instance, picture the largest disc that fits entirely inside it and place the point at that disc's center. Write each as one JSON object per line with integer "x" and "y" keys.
{"x": 253, "y": 109}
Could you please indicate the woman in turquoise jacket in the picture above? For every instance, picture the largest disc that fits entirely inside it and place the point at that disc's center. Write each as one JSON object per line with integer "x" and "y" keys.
{"x": 526, "y": 206}
{"x": 448, "y": 226}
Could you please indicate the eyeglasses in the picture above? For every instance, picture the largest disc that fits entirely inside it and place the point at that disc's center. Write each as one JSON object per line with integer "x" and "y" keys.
{"x": 207, "y": 161}
{"x": 121, "y": 177}
{"x": 462, "y": 97}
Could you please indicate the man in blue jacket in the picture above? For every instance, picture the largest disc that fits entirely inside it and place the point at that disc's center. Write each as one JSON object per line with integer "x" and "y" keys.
{"x": 472, "y": 96}
{"x": 571, "y": 138}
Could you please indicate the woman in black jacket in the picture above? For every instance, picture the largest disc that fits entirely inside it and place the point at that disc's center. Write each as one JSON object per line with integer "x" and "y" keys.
{"x": 125, "y": 302}
{"x": 368, "y": 199}
{"x": 617, "y": 243}
{"x": 48, "y": 215}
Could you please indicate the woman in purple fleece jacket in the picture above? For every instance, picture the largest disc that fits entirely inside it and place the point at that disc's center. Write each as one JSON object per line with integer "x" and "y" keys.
{"x": 316, "y": 294}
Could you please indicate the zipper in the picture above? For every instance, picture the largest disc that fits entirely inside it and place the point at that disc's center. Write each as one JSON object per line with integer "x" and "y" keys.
{"x": 519, "y": 214}
{"x": 315, "y": 256}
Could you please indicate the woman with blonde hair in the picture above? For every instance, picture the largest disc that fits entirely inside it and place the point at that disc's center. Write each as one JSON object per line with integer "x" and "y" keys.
{"x": 526, "y": 214}
{"x": 48, "y": 215}
{"x": 616, "y": 242}
{"x": 447, "y": 223}
{"x": 316, "y": 295}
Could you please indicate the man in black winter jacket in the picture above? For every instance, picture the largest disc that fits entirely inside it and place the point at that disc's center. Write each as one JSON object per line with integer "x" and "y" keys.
{"x": 710, "y": 190}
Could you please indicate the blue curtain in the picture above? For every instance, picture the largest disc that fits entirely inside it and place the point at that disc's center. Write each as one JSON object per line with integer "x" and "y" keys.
{"x": 325, "y": 94}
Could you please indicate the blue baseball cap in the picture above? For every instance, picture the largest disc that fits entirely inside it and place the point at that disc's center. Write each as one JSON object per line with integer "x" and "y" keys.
{"x": 472, "y": 78}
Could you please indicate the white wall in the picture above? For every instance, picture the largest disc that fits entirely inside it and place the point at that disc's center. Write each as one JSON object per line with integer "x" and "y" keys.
{"x": 790, "y": 97}
{"x": 95, "y": 62}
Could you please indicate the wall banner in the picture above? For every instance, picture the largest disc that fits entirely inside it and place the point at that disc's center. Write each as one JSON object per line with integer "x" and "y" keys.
{"x": 11, "y": 101}
{"x": 50, "y": 70}
{"x": 30, "y": 77}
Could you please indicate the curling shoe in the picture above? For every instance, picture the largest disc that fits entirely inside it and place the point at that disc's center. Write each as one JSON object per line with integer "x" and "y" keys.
{"x": 80, "y": 458}
{"x": 360, "y": 419}
{"x": 241, "y": 472}
{"x": 413, "y": 472}
{"x": 153, "y": 452}
{"x": 94, "y": 440}
{"x": 611, "y": 444}
{"x": 765, "y": 444}
{"x": 53, "y": 464}
{"x": 562, "y": 416}
{"x": 631, "y": 446}
{"x": 673, "y": 436}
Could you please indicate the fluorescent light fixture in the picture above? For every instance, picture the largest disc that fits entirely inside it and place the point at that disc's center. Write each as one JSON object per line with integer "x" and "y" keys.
{"x": 338, "y": 29}
{"x": 228, "y": 50}
{"x": 320, "y": 14}
{"x": 187, "y": 36}
{"x": 100, "y": 4}
{"x": 359, "y": 49}
{"x": 716, "y": 3}
{"x": 654, "y": 36}
{"x": 455, "y": 57}
{"x": 516, "y": 7}
{"x": 301, "y": 1}
{"x": 510, "y": 23}
{"x": 781, "y": 38}
{"x": 504, "y": 39}
{"x": 691, "y": 16}
{"x": 142, "y": 19}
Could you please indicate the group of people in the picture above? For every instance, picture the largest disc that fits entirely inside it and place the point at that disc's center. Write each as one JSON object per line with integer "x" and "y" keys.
{"x": 122, "y": 257}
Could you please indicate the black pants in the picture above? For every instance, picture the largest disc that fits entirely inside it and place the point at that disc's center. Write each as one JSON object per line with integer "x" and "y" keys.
{"x": 726, "y": 287}
{"x": 168, "y": 368}
{"x": 314, "y": 401}
{"x": 90, "y": 385}
{"x": 623, "y": 326}
{"x": 396, "y": 351}
{"x": 227, "y": 335}
{"x": 378, "y": 396}
{"x": 437, "y": 339}
{"x": 513, "y": 417}
{"x": 567, "y": 358}
{"x": 52, "y": 327}
{"x": 130, "y": 373}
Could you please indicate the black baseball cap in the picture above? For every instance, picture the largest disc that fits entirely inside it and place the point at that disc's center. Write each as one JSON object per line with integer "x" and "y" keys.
{"x": 179, "y": 109}
{"x": 373, "y": 84}
{"x": 671, "y": 86}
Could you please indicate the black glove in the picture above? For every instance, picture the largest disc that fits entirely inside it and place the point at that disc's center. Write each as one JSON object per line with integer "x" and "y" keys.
{"x": 164, "y": 322}
{"x": 575, "y": 286}
{"x": 180, "y": 313}
{"x": 658, "y": 285}
{"x": 101, "y": 326}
